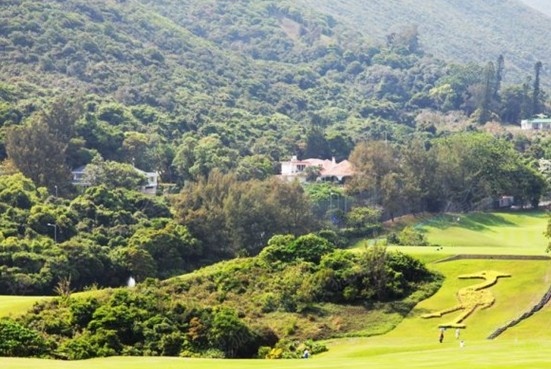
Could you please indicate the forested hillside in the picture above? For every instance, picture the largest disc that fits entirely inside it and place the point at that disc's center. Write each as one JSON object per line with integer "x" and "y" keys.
{"x": 460, "y": 31}
{"x": 193, "y": 88}
{"x": 213, "y": 95}
{"x": 272, "y": 306}
{"x": 159, "y": 82}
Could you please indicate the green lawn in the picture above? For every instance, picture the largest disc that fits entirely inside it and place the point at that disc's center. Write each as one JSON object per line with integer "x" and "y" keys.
{"x": 414, "y": 343}
{"x": 513, "y": 296}
{"x": 348, "y": 354}
{"x": 12, "y": 305}
{"x": 507, "y": 232}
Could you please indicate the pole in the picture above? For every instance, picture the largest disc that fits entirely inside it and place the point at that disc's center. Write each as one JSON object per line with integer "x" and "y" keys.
{"x": 55, "y": 230}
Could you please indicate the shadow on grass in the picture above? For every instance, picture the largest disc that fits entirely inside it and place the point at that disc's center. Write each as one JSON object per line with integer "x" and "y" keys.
{"x": 400, "y": 307}
{"x": 473, "y": 222}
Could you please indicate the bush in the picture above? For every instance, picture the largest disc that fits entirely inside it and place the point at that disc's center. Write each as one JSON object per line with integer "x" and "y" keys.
{"x": 286, "y": 248}
{"x": 411, "y": 237}
{"x": 19, "y": 341}
{"x": 264, "y": 352}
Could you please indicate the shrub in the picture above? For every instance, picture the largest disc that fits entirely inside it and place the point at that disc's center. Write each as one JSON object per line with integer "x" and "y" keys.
{"x": 78, "y": 348}
{"x": 286, "y": 248}
{"x": 411, "y": 237}
{"x": 19, "y": 341}
{"x": 315, "y": 347}
{"x": 264, "y": 352}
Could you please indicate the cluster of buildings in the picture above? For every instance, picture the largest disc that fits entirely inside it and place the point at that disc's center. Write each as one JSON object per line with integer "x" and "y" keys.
{"x": 295, "y": 169}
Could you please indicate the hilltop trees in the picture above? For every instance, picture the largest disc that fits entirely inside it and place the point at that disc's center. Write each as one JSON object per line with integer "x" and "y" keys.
{"x": 38, "y": 154}
{"x": 537, "y": 94}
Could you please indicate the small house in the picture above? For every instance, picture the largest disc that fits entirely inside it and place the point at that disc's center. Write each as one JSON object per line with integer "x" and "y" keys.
{"x": 328, "y": 170}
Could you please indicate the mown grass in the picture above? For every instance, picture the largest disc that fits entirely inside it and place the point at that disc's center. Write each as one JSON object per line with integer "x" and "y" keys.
{"x": 414, "y": 342}
{"x": 13, "y": 305}
{"x": 514, "y": 232}
{"x": 351, "y": 354}
{"x": 513, "y": 296}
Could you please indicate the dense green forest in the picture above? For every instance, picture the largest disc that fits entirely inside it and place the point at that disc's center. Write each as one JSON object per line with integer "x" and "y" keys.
{"x": 213, "y": 95}
{"x": 456, "y": 31}
{"x": 172, "y": 88}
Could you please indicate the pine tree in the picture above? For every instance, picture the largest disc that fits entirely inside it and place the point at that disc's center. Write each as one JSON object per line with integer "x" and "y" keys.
{"x": 499, "y": 77}
{"x": 537, "y": 94}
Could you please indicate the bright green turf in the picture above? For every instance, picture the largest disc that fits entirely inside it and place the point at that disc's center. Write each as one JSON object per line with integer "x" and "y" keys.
{"x": 12, "y": 305}
{"x": 381, "y": 354}
{"x": 508, "y": 232}
{"x": 414, "y": 344}
{"x": 513, "y": 296}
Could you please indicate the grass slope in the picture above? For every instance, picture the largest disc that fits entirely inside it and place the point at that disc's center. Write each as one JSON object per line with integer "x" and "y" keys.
{"x": 13, "y": 305}
{"x": 507, "y": 232}
{"x": 414, "y": 344}
{"x": 513, "y": 296}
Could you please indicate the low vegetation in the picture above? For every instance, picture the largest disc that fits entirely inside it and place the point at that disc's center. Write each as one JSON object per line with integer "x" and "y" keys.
{"x": 296, "y": 291}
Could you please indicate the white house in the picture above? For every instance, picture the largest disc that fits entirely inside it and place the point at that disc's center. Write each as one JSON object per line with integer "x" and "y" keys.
{"x": 540, "y": 123}
{"x": 79, "y": 176}
{"x": 150, "y": 187}
{"x": 329, "y": 170}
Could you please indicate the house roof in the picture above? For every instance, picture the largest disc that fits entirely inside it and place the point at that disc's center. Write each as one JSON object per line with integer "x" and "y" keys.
{"x": 330, "y": 168}
{"x": 342, "y": 169}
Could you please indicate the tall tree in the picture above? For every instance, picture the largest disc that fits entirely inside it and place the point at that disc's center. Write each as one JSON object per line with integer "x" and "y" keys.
{"x": 500, "y": 66}
{"x": 537, "y": 95}
{"x": 38, "y": 154}
{"x": 418, "y": 166}
{"x": 527, "y": 107}
{"x": 488, "y": 91}
{"x": 229, "y": 216}
{"x": 316, "y": 144}
{"x": 511, "y": 102}
{"x": 373, "y": 160}
{"x": 41, "y": 149}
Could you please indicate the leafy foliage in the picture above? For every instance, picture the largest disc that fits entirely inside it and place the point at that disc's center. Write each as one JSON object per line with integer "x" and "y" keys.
{"x": 19, "y": 341}
{"x": 176, "y": 317}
